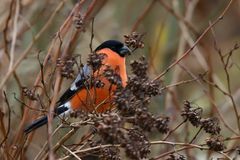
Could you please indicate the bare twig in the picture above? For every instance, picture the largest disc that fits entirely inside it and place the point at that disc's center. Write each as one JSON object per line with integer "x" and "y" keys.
{"x": 197, "y": 41}
{"x": 174, "y": 129}
{"x": 179, "y": 83}
{"x": 9, "y": 120}
{"x": 28, "y": 49}
{"x": 72, "y": 153}
{"x": 92, "y": 36}
{"x": 212, "y": 102}
{"x": 14, "y": 35}
{"x": 143, "y": 15}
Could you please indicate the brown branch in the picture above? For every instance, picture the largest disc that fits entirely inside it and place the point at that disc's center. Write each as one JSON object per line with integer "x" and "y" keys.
{"x": 174, "y": 129}
{"x": 5, "y": 41}
{"x": 18, "y": 137}
{"x": 196, "y": 42}
{"x": 143, "y": 15}
{"x": 30, "y": 46}
{"x": 6, "y": 134}
{"x": 61, "y": 141}
{"x": 178, "y": 17}
{"x": 225, "y": 67}
{"x": 211, "y": 100}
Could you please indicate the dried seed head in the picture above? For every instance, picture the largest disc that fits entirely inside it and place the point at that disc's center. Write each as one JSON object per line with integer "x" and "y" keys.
{"x": 29, "y": 93}
{"x": 110, "y": 153}
{"x": 137, "y": 145}
{"x": 192, "y": 114}
{"x": 162, "y": 124}
{"x": 124, "y": 101}
{"x": 145, "y": 120}
{"x": 139, "y": 67}
{"x": 83, "y": 115}
{"x": 99, "y": 84}
{"x": 215, "y": 143}
{"x": 78, "y": 21}
{"x": 135, "y": 96}
{"x": 211, "y": 125}
{"x": 109, "y": 128}
{"x": 66, "y": 67}
{"x": 95, "y": 60}
{"x": 238, "y": 150}
{"x": 176, "y": 157}
{"x": 112, "y": 76}
{"x": 134, "y": 40}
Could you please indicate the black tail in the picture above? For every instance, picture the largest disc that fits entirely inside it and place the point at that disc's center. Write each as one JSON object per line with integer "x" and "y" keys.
{"x": 36, "y": 124}
{"x": 43, "y": 120}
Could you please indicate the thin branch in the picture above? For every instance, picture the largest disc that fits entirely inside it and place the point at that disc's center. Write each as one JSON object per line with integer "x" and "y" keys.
{"x": 92, "y": 36}
{"x": 143, "y": 15}
{"x": 211, "y": 100}
{"x": 30, "y": 46}
{"x": 72, "y": 153}
{"x": 170, "y": 132}
{"x": 14, "y": 35}
{"x": 225, "y": 67}
{"x": 196, "y": 42}
{"x": 9, "y": 119}
{"x": 196, "y": 135}
{"x": 61, "y": 141}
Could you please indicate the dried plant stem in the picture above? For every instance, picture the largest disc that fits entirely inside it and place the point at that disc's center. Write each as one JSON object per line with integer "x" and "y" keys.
{"x": 5, "y": 41}
{"x": 179, "y": 83}
{"x": 225, "y": 64}
{"x": 46, "y": 143}
{"x": 14, "y": 35}
{"x": 186, "y": 148}
{"x": 51, "y": 114}
{"x": 143, "y": 15}
{"x": 3, "y": 128}
{"x": 72, "y": 153}
{"x": 57, "y": 41}
{"x": 61, "y": 141}
{"x": 211, "y": 101}
{"x": 181, "y": 47}
{"x": 18, "y": 137}
{"x": 178, "y": 17}
{"x": 170, "y": 132}
{"x": 197, "y": 41}
{"x": 195, "y": 135}
{"x": 28, "y": 49}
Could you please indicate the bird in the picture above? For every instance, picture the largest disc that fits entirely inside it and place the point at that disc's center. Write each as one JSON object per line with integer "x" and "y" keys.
{"x": 82, "y": 96}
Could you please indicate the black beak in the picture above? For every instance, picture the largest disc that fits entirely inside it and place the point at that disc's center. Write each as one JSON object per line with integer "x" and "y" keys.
{"x": 124, "y": 51}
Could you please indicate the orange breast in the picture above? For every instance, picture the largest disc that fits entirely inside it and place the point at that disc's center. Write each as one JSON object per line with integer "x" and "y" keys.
{"x": 94, "y": 99}
{"x": 99, "y": 99}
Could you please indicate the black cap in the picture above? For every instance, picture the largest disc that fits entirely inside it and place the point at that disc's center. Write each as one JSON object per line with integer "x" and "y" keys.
{"x": 115, "y": 46}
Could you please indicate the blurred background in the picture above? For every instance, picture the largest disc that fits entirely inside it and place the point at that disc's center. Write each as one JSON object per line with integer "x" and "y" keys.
{"x": 170, "y": 28}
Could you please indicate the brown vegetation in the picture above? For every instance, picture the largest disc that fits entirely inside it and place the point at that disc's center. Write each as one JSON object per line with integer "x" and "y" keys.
{"x": 182, "y": 97}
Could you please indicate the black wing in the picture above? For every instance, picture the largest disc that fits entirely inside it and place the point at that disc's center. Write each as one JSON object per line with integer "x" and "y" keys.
{"x": 78, "y": 84}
